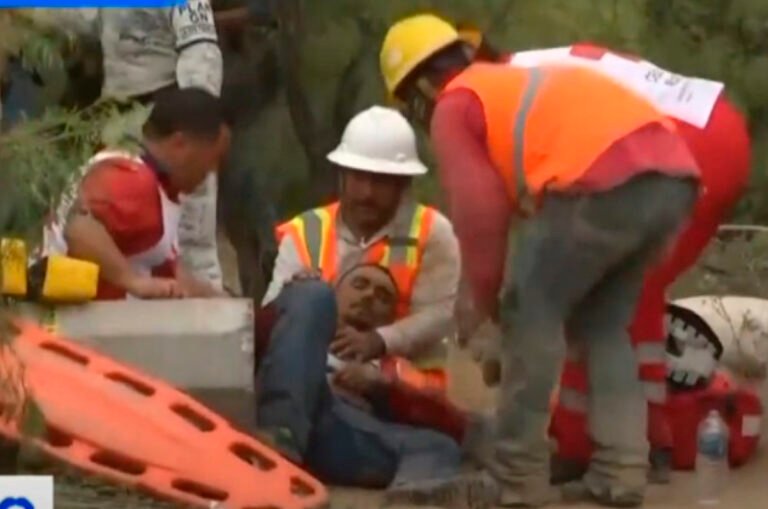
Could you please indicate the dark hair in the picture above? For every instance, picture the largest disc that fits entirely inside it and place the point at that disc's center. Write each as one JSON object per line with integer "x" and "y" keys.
{"x": 441, "y": 66}
{"x": 192, "y": 111}
{"x": 363, "y": 265}
{"x": 455, "y": 56}
{"x": 488, "y": 53}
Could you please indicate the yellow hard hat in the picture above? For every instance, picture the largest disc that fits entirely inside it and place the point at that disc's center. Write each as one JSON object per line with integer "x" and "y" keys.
{"x": 410, "y": 42}
{"x": 470, "y": 34}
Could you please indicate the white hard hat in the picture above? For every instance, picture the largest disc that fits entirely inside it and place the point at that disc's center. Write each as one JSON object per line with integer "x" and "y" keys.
{"x": 741, "y": 326}
{"x": 379, "y": 140}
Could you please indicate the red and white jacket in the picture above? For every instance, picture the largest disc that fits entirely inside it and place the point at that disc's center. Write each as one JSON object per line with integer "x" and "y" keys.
{"x": 162, "y": 253}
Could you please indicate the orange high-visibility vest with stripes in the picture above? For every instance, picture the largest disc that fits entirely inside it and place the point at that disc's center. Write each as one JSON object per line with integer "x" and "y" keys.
{"x": 314, "y": 233}
{"x": 545, "y": 126}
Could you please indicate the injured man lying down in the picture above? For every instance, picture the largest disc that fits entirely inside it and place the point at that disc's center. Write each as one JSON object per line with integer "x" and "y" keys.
{"x": 339, "y": 418}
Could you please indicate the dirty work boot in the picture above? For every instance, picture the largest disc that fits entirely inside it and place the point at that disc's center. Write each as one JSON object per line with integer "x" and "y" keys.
{"x": 661, "y": 466}
{"x": 563, "y": 470}
{"x": 476, "y": 490}
{"x": 280, "y": 440}
{"x": 531, "y": 492}
{"x": 579, "y": 491}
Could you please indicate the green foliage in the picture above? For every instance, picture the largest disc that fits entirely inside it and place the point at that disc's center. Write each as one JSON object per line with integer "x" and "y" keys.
{"x": 39, "y": 159}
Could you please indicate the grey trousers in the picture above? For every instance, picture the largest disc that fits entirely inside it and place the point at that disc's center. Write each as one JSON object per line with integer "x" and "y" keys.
{"x": 578, "y": 267}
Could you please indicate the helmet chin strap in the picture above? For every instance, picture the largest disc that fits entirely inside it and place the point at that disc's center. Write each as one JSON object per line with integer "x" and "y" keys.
{"x": 426, "y": 88}
{"x": 428, "y": 85}
{"x": 420, "y": 100}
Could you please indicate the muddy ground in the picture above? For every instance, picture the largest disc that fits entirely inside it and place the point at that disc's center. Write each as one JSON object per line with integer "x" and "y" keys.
{"x": 738, "y": 267}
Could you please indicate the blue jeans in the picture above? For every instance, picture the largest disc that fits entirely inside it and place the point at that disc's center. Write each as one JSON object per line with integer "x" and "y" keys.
{"x": 339, "y": 443}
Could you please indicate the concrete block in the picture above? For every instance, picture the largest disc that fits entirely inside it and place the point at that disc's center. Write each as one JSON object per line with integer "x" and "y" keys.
{"x": 202, "y": 346}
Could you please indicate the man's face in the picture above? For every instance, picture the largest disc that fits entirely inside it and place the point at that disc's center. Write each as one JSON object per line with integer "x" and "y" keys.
{"x": 367, "y": 298}
{"x": 194, "y": 158}
{"x": 371, "y": 199}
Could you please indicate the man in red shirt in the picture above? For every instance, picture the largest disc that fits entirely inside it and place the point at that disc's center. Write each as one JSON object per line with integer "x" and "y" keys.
{"x": 603, "y": 182}
{"x": 123, "y": 212}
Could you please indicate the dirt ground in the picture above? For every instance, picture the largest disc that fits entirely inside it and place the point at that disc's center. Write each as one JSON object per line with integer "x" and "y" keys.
{"x": 746, "y": 488}
{"x": 735, "y": 267}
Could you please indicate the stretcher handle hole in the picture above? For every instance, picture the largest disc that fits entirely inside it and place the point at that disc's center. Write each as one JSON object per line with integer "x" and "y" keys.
{"x": 199, "y": 490}
{"x": 193, "y": 417}
{"x": 57, "y": 438}
{"x": 301, "y": 488}
{"x": 118, "y": 462}
{"x": 131, "y": 383}
{"x": 251, "y": 456}
{"x": 65, "y": 352}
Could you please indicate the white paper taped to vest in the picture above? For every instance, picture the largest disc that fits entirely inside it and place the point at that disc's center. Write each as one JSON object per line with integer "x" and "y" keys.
{"x": 682, "y": 97}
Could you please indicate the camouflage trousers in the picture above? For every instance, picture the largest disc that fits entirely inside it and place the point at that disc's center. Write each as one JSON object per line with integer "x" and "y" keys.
{"x": 197, "y": 227}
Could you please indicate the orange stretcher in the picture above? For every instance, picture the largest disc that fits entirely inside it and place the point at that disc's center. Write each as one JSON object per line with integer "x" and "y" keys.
{"x": 112, "y": 421}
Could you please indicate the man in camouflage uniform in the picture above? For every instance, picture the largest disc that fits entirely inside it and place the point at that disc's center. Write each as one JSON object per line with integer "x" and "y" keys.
{"x": 147, "y": 50}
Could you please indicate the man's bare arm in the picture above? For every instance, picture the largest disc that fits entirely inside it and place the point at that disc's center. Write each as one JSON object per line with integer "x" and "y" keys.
{"x": 88, "y": 239}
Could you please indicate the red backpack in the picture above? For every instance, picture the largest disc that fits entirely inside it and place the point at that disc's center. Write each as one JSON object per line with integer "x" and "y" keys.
{"x": 740, "y": 407}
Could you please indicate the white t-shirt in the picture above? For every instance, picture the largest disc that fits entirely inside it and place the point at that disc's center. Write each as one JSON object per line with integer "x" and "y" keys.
{"x": 685, "y": 98}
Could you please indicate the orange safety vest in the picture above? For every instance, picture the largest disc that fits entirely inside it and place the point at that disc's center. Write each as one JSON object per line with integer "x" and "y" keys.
{"x": 314, "y": 233}
{"x": 545, "y": 126}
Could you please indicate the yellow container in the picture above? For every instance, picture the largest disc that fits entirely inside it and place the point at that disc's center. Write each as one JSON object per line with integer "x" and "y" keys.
{"x": 13, "y": 259}
{"x": 70, "y": 280}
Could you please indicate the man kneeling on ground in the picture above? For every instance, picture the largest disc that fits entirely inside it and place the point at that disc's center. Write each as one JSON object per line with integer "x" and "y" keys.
{"x": 123, "y": 212}
{"x": 331, "y": 416}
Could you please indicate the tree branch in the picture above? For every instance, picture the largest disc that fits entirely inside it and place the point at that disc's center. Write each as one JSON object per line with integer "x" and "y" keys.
{"x": 350, "y": 83}
{"x": 303, "y": 118}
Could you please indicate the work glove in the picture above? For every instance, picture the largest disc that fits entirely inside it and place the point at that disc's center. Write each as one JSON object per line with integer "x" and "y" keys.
{"x": 693, "y": 349}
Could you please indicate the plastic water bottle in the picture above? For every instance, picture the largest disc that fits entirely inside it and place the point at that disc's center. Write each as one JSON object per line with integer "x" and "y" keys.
{"x": 712, "y": 459}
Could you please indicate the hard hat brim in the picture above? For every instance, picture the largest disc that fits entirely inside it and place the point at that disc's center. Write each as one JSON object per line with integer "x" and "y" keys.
{"x": 361, "y": 163}
{"x": 408, "y": 70}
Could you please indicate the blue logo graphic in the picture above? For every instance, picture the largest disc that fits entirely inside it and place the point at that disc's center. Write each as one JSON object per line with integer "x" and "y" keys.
{"x": 58, "y": 4}
{"x": 16, "y": 503}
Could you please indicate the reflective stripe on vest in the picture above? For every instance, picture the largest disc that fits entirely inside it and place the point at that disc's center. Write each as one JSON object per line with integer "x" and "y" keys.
{"x": 546, "y": 126}
{"x": 524, "y": 201}
{"x": 311, "y": 232}
{"x": 314, "y": 233}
